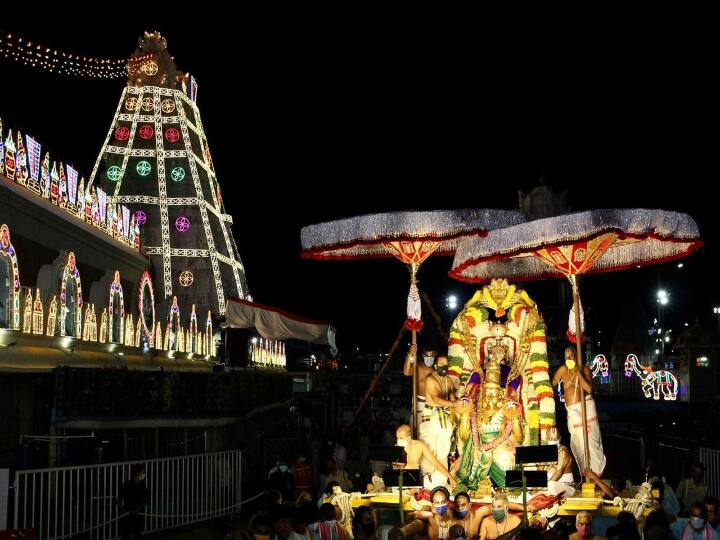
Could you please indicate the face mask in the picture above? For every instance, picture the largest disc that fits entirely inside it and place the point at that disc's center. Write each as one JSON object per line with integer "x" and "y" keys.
{"x": 584, "y": 530}
{"x": 570, "y": 364}
{"x": 442, "y": 370}
{"x": 462, "y": 513}
{"x": 556, "y": 443}
{"x": 141, "y": 477}
{"x": 441, "y": 509}
{"x": 499, "y": 514}
{"x": 429, "y": 361}
{"x": 697, "y": 522}
{"x": 302, "y": 460}
{"x": 283, "y": 468}
{"x": 402, "y": 442}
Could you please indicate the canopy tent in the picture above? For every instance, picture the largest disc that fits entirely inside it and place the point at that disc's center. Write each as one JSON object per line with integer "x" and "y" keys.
{"x": 276, "y": 324}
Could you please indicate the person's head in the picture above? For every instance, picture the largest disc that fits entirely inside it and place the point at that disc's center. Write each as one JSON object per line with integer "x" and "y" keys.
{"x": 698, "y": 516}
{"x": 570, "y": 357}
{"x": 656, "y": 520}
{"x": 283, "y": 523}
{"x": 326, "y": 512}
{"x": 261, "y": 526}
{"x": 364, "y": 521}
{"x": 440, "y": 497}
{"x": 553, "y": 435}
{"x": 403, "y": 435}
{"x": 462, "y": 505}
{"x": 538, "y": 522}
{"x": 441, "y": 365}
{"x": 711, "y": 505}
{"x": 138, "y": 473}
{"x": 283, "y": 467}
{"x": 429, "y": 352}
{"x": 583, "y": 524}
{"x": 457, "y": 532}
{"x": 499, "y": 507}
{"x": 697, "y": 471}
{"x": 330, "y": 488}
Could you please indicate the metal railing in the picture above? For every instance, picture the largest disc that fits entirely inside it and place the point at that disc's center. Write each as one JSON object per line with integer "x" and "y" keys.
{"x": 710, "y": 457}
{"x": 66, "y": 501}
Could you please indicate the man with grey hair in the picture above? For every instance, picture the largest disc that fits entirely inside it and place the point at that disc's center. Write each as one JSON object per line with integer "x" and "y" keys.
{"x": 583, "y": 524}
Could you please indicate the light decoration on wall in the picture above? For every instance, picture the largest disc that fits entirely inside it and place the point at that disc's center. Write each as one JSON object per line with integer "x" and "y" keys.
{"x": 148, "y": 329}
{"x": 654, "y": 383}
{"x": 8, "y": 251}
{"x": 70, "y": 271}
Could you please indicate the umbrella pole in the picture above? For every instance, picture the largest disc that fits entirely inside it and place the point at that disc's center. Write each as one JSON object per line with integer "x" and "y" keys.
{"x": 581, "y": 364}
{"x": 413, "y": 281}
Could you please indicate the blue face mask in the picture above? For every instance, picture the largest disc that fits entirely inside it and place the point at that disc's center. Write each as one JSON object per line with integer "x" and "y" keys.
{"x": 499, "y": 514}
{"x": 441, "y": 509}
{"x": 697, "y": 523}
{"x": 462, "y": 513}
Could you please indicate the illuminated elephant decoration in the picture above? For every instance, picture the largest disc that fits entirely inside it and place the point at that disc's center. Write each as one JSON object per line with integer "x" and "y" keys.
{"x": 653, "y": 382}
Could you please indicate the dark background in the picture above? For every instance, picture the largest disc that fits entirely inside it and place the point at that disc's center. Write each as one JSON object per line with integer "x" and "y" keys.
{"x": 309, "y": 121}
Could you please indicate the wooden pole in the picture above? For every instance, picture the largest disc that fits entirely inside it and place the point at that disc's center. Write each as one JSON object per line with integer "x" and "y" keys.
{"x": 413, "y": 424}
{"x": 580, "y": 364}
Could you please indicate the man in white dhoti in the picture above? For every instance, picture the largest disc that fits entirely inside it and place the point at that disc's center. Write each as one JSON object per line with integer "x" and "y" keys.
{"x": 574, "y": 378}
{"x": 436, "y": 428}
{"x": 560, "y": 475}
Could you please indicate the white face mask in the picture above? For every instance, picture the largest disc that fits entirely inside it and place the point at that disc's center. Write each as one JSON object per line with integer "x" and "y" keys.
{"x": 429, "y": 361}
{"x": 402, "y": 442}
{"x": 283, "y": 468}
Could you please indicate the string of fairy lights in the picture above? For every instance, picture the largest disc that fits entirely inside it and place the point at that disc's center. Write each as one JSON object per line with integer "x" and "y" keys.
{"x": 36, "y": 55}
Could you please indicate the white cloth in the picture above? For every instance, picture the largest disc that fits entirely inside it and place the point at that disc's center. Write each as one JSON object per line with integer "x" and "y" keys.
{"x": 436, "y": 431}
{"x": 562, "y": 486}
{"x": 433, "y": 480}
{"x": 595, "y": 448}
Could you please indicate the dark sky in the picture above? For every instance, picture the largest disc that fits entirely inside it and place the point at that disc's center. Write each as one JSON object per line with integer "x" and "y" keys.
{"x": 308, "y": 124}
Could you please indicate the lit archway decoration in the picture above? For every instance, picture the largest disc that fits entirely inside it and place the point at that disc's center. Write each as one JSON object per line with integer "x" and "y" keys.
{"x": 8, "y": 251}
{"x": 116, "y": 291}
{"x": 148, "y": 327}
{"x": 71, "y": 272}
{"x": 143, "y": 168}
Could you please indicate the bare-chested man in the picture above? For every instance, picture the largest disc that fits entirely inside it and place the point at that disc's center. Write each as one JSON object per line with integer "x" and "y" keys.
{"x": 439, "y": 519}
{"x": 436, "y": 428}
{"x": 500, "y": 524}
{"x": 418, "y": 453}
{"x": 424, "y": 369}
{"x": 574, "y": 378}
{"x": 560, "y": 475}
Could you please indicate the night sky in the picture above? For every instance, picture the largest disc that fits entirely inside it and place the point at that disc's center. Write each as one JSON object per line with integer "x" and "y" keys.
{"x": 307, "y": 125}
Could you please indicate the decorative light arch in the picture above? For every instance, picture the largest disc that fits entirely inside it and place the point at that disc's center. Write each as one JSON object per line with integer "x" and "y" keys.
{"x": 8, "y": 251}
{"x": 116, "y": 290}
{"x": 173, "y": 326}
{"x": 149, "y": 331}
{"x": 71, "y": 271}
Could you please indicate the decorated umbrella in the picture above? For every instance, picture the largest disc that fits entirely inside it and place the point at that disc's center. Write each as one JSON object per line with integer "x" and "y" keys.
{"x": 573, "y": 244}
{"x": 410, "y": 237}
